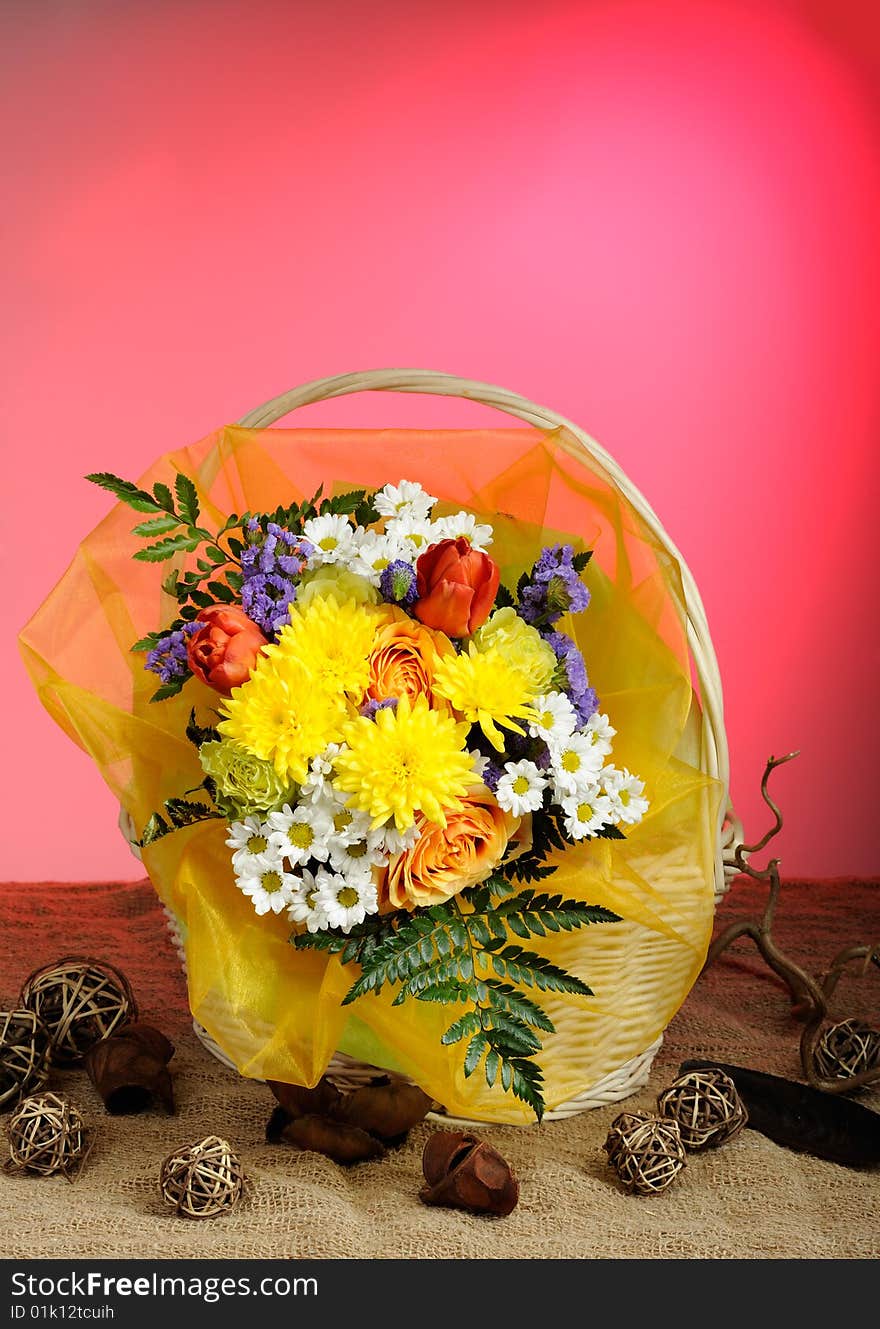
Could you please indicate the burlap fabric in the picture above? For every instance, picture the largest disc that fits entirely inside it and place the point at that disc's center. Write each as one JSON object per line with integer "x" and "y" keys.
{"x": 747, "y": 1199}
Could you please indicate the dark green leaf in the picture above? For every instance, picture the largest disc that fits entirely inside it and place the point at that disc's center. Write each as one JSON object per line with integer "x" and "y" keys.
{"x": 468, "y": 1024}
{"x": 163, "y": 497}
{"x": 156, "y": 525}
{"x": 174, "y": 544}
{"x": 154, "y": 830}
{"x": 221, "y": 592}
{"x": 169, "y": 689}
{"x": 147, "y": 643}
{"x": 199, "y": 734}
{"x": 124, "y": 490}
{"x": 187, "y": 498}
{"x": 476, "y": 1048}
{"x": 580, "y": 561}
{"x": 503, "y": 598}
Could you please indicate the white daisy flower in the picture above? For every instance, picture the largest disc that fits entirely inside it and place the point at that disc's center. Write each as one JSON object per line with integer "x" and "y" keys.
{"x": 464, "y": 525}
{"x": 250, "y": 840}
{"x": 359, "y": 858}
{"x": 586, "y": 812}
{"x": 269, "y": 889}
{"x": 625, "y": 792}
{"x": 333, "y": 538}
{"x": 405, "y": 499}
{"x": 521, "y": 788}
{"x": 346, "y": 901}
{"x": 574, "y": 763}
{"x": 399, "y": 842}
{"x": 304, "y": 906}
{"x": 347, "y": 824}
{"x": 555, "y": 717}
{"x": 318, "y": 780}
{"x": 373, "y": 554}
{"x": 414, "y": 534}
{"x": 600, "y": 732}
{"x": 300, "y": 833}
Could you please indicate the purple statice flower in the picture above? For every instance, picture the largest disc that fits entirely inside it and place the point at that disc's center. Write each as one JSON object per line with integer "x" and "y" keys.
{"x": 168, "y": 656}
{"x": 585, "y": 705}
{"x": 397, "y": 583}
{"x": 572, "y": 675}
{"x": 271, "y": 563}
{"x": 492, "y": 773}
{"x": 542, "y": 757}
{"x": 370, "y": 708}
{"x": 553, "y": 589}
{"x": 266, "y": 599}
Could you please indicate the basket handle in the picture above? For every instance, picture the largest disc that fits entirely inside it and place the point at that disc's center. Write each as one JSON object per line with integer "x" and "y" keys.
{"x": 714, "y": 742}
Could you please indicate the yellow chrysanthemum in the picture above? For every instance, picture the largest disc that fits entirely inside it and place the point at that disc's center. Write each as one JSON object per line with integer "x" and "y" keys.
{"x": 486, "y": 689}
{"x": 409, "y": 759}
{"x": 331, "y": 642}
{"x": 279, "y": 715}
{"x": 521, "y": 645}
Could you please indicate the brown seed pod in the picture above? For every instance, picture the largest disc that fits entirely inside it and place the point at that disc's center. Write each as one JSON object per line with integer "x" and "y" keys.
{"x": 344, "y": 1144}
{"x": 130, "y": 1068}
{"x": 463, "y": 1172}
{"x": 24, "y": 1056}
{"x": 385, "y": 1110}
{"x": 80, "y": 1001}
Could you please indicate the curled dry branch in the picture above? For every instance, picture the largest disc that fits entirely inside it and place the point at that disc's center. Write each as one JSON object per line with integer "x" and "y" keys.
{"x": 810, "y": 996}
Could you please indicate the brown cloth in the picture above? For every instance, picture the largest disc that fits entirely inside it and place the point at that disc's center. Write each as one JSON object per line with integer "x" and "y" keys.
{"x": 750, "y": 1198}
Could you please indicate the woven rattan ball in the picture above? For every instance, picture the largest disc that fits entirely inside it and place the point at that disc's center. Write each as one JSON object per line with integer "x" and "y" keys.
{"x": 645, "y": 1151}
{"x": 202, "y": 1180}
{"x": 706, "y": 1106}
{"x": 24, "y": 1056}
{"x": 80, "y": 1001}
{"x": 46, "y": 1135}
{"x": 847, "y": 1049}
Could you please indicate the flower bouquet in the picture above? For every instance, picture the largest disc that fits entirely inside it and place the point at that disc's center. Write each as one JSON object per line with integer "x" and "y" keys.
{"x": 399, "y": 742}
{"x": 352, "y": 726}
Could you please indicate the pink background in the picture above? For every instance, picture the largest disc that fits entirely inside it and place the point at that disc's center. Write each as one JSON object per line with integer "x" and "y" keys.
{"x": 659, "y": 217}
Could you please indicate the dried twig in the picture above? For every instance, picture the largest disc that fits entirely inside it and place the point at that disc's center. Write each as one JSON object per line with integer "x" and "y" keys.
{"x": 810, "y": 996}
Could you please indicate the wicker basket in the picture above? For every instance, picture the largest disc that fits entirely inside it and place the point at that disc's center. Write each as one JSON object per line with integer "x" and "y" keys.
{"x": 713, "y": 748}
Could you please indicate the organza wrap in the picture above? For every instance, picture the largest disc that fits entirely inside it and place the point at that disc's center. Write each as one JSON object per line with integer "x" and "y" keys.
{"x": 277, "y": 1012}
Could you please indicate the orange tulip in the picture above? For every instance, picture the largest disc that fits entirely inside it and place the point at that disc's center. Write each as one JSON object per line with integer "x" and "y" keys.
{"x": 456, "y": 586}
{"x": 224, "y": 650}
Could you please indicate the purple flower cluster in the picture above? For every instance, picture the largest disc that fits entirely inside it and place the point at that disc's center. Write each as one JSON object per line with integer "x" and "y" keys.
{"x": 397, "y": 583}
{"x": 553, "y": 589}
{"x": 370, "y": 708}
{"x": 168, "y": 656}
{"x": 573, "y": 672}
{"x": 270, "y": 563}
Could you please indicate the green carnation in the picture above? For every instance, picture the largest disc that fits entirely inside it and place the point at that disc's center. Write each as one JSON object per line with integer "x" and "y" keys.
{"x": 243, "y": 784}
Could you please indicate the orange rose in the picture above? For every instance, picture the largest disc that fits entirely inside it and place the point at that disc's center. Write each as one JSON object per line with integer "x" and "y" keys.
{"x": 456, "y": 586}
{"x": 404, "y": 659}
{"x": 223, "y": 651}
{"x": 445, "y": 860}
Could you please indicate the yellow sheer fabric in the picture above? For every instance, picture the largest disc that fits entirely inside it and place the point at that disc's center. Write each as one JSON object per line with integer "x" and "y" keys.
{"x": 277, "y": 1012}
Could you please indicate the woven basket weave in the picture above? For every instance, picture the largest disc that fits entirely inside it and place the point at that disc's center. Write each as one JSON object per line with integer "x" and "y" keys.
{"x": 713, "y": 745}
